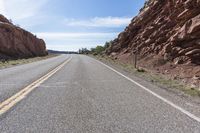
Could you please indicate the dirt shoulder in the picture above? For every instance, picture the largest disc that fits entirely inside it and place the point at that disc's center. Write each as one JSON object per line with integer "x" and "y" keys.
{"x": 160, "y": 80}
{"x": 11, "y": 63}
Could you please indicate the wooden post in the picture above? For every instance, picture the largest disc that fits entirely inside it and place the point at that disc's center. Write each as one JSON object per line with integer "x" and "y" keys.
{"x": 135, "y": 63}
{"x": 135, "y": 58}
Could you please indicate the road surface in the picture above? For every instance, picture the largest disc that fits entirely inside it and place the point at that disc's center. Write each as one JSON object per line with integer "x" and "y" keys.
{"x": 85, "y": 96}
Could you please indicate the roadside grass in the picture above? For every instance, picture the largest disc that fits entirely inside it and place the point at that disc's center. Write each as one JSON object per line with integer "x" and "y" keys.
{"x": 11, "y": 63}
{"x": 157, "y": 79}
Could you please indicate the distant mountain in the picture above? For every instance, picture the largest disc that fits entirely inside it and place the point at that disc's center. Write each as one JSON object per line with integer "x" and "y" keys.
{"x": 16, "y": 42}
{"x": 61, "y": 52}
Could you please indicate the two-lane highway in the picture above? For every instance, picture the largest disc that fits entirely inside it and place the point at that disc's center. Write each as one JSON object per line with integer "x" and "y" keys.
{"x": 15, "y": 78}
{"x": 85, "y": 96}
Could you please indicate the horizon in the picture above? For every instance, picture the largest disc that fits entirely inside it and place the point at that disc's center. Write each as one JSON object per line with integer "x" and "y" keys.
{"x": 72, "y": 24}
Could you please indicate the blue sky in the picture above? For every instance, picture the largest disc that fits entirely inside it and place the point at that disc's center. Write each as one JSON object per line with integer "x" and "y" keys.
{"x": 72, "y": 24}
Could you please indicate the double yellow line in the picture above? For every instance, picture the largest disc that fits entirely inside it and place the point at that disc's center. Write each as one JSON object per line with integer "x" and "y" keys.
{"x": 12, "y": 101}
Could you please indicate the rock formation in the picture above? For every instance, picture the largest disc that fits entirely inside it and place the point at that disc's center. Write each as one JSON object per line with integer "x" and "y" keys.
{"x": 164, "y": 32}
{"x": 18, "y": 43}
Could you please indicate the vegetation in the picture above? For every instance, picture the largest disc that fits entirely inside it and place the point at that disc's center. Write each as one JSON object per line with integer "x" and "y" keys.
{"x": 84, "y": 51}
{"x": 98, "y": 50}
{"x": 157, "y": 79}
{"x": 10, "y": 63}
{"x": 10, "y": 20}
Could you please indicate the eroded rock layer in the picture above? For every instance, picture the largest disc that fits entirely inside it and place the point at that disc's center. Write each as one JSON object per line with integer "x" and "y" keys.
{"x": 164, "y": 31}
{"x": 18, "y": 43}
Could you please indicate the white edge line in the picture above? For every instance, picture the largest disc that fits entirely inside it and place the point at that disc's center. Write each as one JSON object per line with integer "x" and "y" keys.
{"x": 154, "y": 94}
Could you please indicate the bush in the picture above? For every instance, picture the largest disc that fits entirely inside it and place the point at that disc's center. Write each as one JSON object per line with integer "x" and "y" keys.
{"x": 98, "y": 50}
{"x": 141, "y": 70}
{"x": 95, "y": 51}
{"x": 84, "y": 51}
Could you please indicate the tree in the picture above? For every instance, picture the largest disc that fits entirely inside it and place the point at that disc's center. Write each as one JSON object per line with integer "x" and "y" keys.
{"x": 84, "y": 51}
{"x": 10, "y": 20}
{"x": 99, "y": 49}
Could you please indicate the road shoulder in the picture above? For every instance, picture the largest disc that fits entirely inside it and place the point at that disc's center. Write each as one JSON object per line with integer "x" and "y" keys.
{"x": 180, "y": 98}
{"x": 12, "y": 63}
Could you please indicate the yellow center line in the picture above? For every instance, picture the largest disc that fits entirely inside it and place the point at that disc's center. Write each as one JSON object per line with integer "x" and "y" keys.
{"x": 12, "y": 101}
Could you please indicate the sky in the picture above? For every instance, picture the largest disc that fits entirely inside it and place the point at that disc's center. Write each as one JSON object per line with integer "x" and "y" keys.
{"x": 69, "y": 25}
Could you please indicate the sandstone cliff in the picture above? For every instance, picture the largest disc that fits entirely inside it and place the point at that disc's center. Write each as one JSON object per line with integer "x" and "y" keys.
{"x": 166, "y": 34}
{"x": 18, "y": 43}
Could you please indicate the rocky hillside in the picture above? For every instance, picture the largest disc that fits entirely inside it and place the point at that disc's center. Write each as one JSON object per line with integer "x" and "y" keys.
{"x": 18, "y": 43}
{"x": 166, "y": 35}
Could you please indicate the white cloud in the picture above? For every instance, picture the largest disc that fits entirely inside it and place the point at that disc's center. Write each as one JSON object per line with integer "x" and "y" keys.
{"x": 21, "y": 9}
{"x": 100, "y": 22}
{"x": 26, "y": 13}
{"x": 74, "y": 41}
{"x": 56, "y": 35}
{"x": 2, "y": 7}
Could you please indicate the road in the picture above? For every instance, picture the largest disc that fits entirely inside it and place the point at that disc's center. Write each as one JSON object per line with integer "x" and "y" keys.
{"x": 85, "y": 96}
{"x": 15, "y": 78}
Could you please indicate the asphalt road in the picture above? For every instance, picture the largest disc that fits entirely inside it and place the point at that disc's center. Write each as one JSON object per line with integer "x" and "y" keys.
{"x": 86, "y": 97}
{"x": 15, "y": 78}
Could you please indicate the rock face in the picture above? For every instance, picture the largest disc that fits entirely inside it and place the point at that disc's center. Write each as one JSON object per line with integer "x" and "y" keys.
{"x": 18, "y": 43}
{"x": 165, "y": 31}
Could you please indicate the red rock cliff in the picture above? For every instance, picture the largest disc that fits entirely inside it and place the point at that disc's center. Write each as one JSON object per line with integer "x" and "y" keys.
{"x": 164, "y": 31}
{"x": 18, "y": 43}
